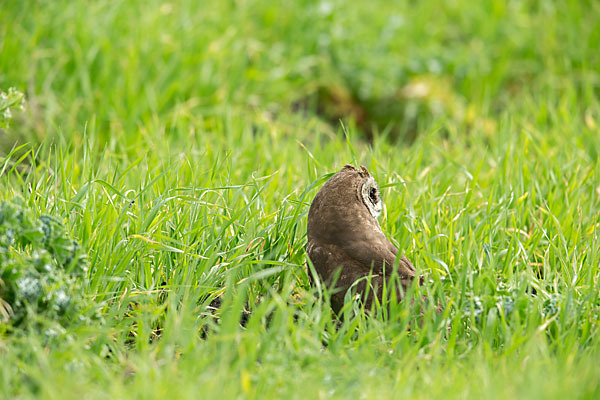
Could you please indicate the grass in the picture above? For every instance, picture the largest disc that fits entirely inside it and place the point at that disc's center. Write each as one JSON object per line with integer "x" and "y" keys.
{"x": 181, "y": 144}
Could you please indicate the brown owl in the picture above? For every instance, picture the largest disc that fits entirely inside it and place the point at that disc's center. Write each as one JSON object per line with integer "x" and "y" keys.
{"x": 343, "y": 234}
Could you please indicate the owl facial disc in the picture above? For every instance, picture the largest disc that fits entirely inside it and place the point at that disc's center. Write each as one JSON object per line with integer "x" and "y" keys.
{"x": 371, "y": 197}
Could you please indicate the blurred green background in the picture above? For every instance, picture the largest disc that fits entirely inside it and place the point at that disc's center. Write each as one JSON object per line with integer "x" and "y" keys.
{"x": 126, "y": 67}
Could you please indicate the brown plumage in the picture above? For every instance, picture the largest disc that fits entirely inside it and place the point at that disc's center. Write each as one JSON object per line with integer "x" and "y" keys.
{"x": 343, "y": 232}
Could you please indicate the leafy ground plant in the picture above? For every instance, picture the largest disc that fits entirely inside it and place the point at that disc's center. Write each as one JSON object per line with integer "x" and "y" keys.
{"x": 41, "y": 268}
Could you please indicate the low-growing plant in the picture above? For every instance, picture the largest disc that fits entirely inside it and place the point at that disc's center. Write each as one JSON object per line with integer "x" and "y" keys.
{"x": 40, "y": 267}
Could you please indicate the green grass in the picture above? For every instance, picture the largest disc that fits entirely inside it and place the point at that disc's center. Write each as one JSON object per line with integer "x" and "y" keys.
{"x": 181, "y": 144}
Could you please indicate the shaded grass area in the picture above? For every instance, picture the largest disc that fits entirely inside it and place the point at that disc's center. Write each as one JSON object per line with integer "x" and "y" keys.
{"x": 167, "y": 138}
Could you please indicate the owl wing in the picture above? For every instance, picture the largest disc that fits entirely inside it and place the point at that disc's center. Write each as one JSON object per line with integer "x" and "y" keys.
{"x": 328, "y": 259}
{"x": 333, "y": 264}
{"x": 381, "y": 254}
{"x": 404, "y": 268}
{"x": 374, "y": 250}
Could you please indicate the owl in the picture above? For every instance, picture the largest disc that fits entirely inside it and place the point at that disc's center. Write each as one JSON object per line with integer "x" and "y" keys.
{"x": 346, "y": 242}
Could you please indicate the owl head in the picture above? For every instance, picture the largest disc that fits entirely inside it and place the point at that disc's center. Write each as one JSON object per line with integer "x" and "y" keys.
{"x": 348, "y": 200}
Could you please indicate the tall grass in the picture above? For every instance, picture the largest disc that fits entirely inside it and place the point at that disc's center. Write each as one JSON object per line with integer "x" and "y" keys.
{"x": 166, "y": 136}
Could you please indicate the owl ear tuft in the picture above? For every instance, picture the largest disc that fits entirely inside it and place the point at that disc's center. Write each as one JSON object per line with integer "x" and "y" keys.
{"x": 365, "y": 171}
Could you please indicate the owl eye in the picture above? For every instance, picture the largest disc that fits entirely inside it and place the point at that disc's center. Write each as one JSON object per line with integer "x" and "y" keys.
{"x": 370, "y": 197}
{"x": 373, "y": 194}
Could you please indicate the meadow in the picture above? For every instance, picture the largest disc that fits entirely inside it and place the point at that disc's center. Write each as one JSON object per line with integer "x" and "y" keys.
{"x": 166, "y": 155}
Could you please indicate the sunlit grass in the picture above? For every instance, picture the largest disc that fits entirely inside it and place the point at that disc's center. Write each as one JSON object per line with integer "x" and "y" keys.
{"x": 165, "y": 136}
